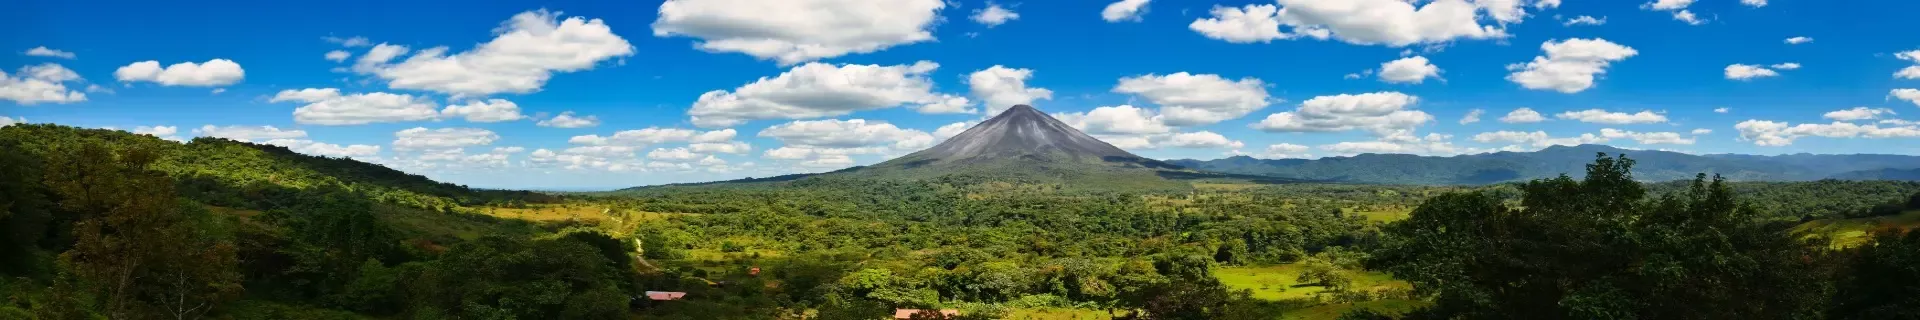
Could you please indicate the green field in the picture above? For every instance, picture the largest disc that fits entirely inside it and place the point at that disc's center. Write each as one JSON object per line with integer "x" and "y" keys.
{"x": 1844, "y": 233}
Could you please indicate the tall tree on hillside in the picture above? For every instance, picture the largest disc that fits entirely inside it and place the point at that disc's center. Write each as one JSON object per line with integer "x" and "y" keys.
{"x": 1597, "y": 248}
{"x": 1881, "y": 280}
{"x": 135, "y": 250}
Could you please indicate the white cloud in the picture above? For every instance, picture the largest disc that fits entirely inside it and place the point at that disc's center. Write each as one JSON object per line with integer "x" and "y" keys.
{"x": 526, "y": 51}
{"x": 672, "y": 155}
{"x": 1702, "y": 131}
{"x": 1744, "y": 72}
{"x": 1197, "y": 99}
{"x": 948, "y": 104}
{"x": 1404, "y": 143}
{"x": 1787, "y": 66}
{"x": 1472, "y": 116}
{"x": 5, "y": 121}
{"x": 1536, "y": 139}
{"x": 804, "y": 30}
{"x": 1202, "y": 139}
{"x": 1688, "y": 17}
{"x": 326, "y": 106}
{"x": 43, "y": 51}
{"x": 1124, "y": 10}
{"x": 994, "y": 15}
{"x": 1381, "y": 113}
{"x": 817, "y": 90}
{"x": 338, "y": 55}
{"x": 1002, "y": 87}
{"x": 1286, "y": 151}
{"x": 655, "y": 135}
{"x": 1414, "y": 69}
{"x": 1754, "y": 3}
{"x": 326, "y": 149}
{"x": 491, "y": 110}
{"x": 1605, "y": 117}
{"x": 1569, "y": 66}
{"x": 1585, "y": 21}
{"x": 1858, "y": 113}
{"x": 950, "y": 130}
{"x": 568, "y": 120}
{"x": 1911, "y": 95}
{"x": 213, "y": 73}
{"x": 1799, "y": 40}
{"x": 1364, "y": 22}
{"x": 1116, "y": 120}
{"x": 834, "y": 133}
{"x": 246, "y": 133}
{"x": 1647, "y": 137}
{"x": 1722, "y": 110}
{"x": 1911, "y": 72}
{"x": 733, "y": 147}
{"x": 163, "y": 132}
{"x": 1775, "y": 134}
{"x": 442, "y": 139}
{"x": 348, "y": 42}
{"x": 40, "y": 83}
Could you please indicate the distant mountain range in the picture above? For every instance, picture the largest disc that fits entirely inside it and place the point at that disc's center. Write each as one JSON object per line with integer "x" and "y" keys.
{"x": 1550, "y": 162}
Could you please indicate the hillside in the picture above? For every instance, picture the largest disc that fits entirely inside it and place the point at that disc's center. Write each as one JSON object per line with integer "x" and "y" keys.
{"x": 1880, "y": 174}
{"x": 1651, "y": 165}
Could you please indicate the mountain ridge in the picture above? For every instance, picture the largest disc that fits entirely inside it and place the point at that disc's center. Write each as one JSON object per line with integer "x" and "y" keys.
{"x": 1508, "y": 166}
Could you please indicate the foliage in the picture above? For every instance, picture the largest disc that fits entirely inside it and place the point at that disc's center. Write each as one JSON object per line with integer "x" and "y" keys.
{"x": 1879, "y": 279}
{"x": 1599, "y": 248}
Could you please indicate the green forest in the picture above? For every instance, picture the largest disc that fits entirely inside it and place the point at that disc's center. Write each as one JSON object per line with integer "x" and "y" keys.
{"x": 104, "y": 224}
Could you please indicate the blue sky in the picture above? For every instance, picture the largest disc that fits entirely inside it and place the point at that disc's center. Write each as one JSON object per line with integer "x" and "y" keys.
{"x": 816, "y": 85}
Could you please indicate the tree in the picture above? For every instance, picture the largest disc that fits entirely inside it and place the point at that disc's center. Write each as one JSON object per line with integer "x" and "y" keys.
{"x": 1598, "y": 248}
{"x": 1879, "y": 279}
{"x": 139, "y": 250}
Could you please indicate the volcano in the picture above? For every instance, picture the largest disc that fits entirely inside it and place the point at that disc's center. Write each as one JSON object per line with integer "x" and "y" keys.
{"x": 1022, "y": 134}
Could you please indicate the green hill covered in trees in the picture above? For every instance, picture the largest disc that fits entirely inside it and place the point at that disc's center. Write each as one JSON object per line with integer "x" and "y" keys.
{"x": 1498, "y": 167}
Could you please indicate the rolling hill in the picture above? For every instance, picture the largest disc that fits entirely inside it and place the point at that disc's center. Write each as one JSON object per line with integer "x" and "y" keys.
{"x": 1499, "y": 167}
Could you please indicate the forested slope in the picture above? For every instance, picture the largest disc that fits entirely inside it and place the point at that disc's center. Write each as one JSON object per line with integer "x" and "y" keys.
{"x": 1498, "y": 167}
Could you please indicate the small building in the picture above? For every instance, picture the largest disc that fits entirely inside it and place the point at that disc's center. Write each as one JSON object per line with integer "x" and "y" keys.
{"x": 665, "y": 295}
{"x": 908, "y": 313}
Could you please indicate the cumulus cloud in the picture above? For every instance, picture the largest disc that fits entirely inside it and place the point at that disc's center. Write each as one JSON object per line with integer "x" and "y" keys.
{"x": 817, "y": 90}
{"x": 1364, "y": 22}
{"x": 1799, "y": 40}
{"x": 1754, "y": 3}
{"x": 1414, "y": 69}
{"x": 672, "y": 155}
{"x": 1124, "y": 10}
{"x": 1910, "y": 95}
{"x": 1002, "y": 87}
{"x": 163, "y": 132}
{"x": 1286, "y": 151}
{"x": 441, "y": 139}
{"x": 213, "y": 73}
{"x": 1197, "y": 99}
{"x": 1402, "y": 143}
{"x": 1116, "y": 120}
{"x": 1743, "y": 72}
{"x": 1647, "y": 137}
{"x": 733, "y": 147}
{"x": 1380, "y": 112}
{"x": 1787, "y": 66}
{"x": 1702, "y": 131}
{"x": 1911, "y": 72}
{"x": 834, "y": 133}
{"x": 326, "y": 149}
{"x": 655, "y": 135}
{"x": 337, "y": 55}
{"x": 1584, "y": 21}
{"x": 1474, "y": 116}
{"x": 327, "y": 106}
{"x": 1536, "y": 139}
{"x": 805, "y": 30}
{"x": 43, "y": 83}
{"x": 1569, "y": 66}
{"x": 43, "y": 51}
{"x": 568, "y": 120}
{"x": 1201, "y": 139}
{"x": 490, "y": 110}
{"x": 1775, "y": 134}
{"x": 1722, "y": 110}
{"x": 5, "y": 121}
{"x": 526, "y": 51}
{"x": 1858, "y": 113}
{"x": 994, "y": 15}
{"x": 948, "y": 104}
{"x": 248, "y": 133}
{"x": 950, "y": 130}
{"x": 348, "y": 42}
{"x": 1607, "y": 117}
